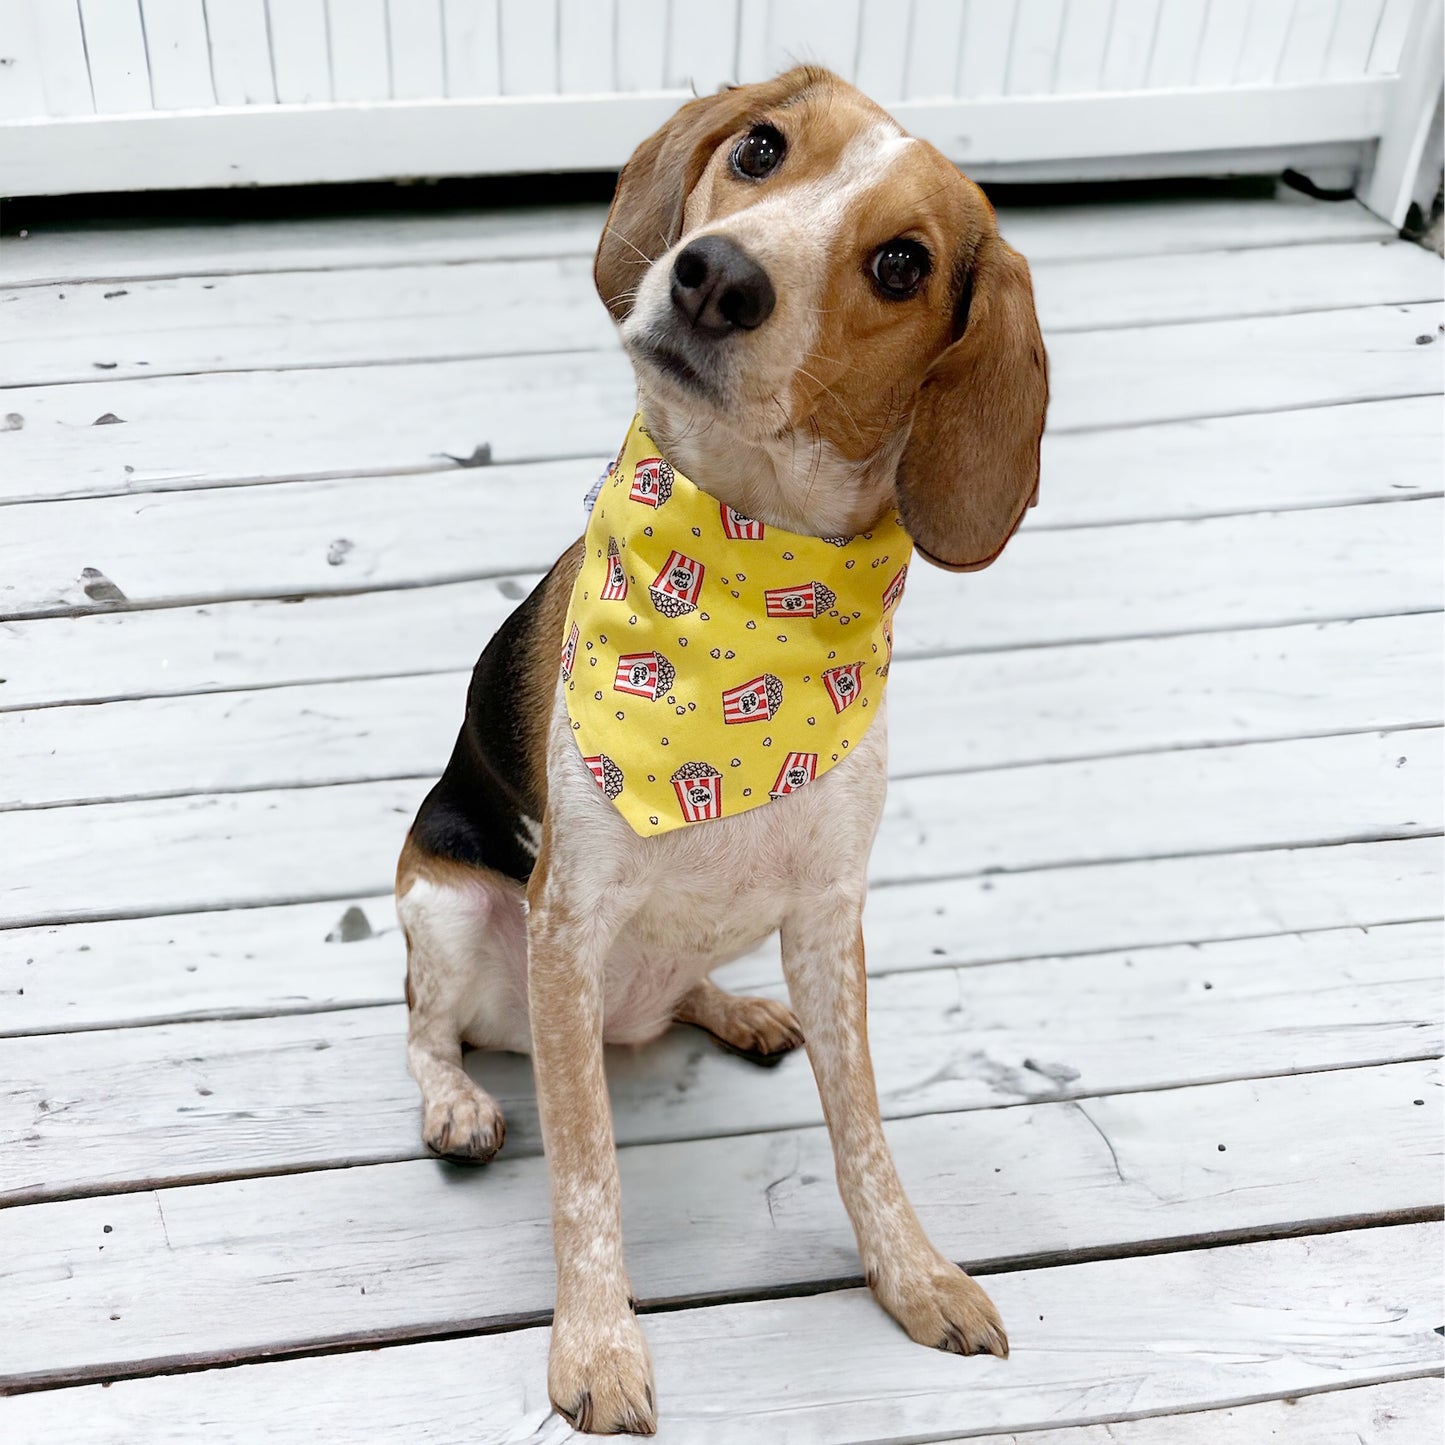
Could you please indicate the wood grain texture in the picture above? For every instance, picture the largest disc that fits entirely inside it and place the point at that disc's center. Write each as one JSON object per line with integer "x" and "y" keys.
{"x": 227, "y": 1269}
{"x": 1401, "y": 1413}
{"x": 1098, "y": 1341}
{"x": 288, "y": 320}
{"x": 317, "y": 537}
{"x": 130, "y": 1108}
{"x": 279, "y": 846}
{"x": 282, "y": 959}
{"x": 399, "y": 418}
{"x": 1154, "y": 579}
{"x": 1037, "y": 704}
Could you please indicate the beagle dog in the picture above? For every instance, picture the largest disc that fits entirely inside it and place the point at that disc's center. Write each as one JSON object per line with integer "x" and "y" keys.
{"x": 829, "y": 337}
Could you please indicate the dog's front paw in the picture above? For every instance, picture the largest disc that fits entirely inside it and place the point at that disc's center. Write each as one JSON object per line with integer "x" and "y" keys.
{"x": 599, "y": 1376}
{"x": 939, "y": 1305}
{"x": 466, "y": 1125}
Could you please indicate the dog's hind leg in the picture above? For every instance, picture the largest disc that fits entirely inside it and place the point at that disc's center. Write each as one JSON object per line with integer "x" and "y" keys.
{"x": 466, "y": 953}
{"x": 757, "y": 1028}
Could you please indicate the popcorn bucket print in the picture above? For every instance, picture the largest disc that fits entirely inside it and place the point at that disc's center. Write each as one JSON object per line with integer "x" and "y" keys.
{"x": 677, "y": 586}
{"x": 798, "y": 769}
{"x": 812, "y": 599}
{"x": 644, "y": 674}
{"x": 606, "y": 774}
{"x": 894, "y": 590}
{"x": 754, "y": 701}
{"x": 615, "y": 588}
{"x": 569, "y": 652}
{"x": 651, "y": 482}
{"x": 843, "y": 684}
{"x": 739, "y": 527}
{"x": 699, "y": 792}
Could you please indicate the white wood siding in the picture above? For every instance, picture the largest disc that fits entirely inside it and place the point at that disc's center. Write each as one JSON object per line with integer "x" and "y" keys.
{"x": 226, "y": 92}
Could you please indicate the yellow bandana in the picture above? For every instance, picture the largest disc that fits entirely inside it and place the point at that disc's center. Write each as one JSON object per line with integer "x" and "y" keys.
{"x": 712, "y": 663}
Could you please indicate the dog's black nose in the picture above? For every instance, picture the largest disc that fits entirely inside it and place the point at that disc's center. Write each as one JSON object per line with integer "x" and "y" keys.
{"x": 719, "y": 288}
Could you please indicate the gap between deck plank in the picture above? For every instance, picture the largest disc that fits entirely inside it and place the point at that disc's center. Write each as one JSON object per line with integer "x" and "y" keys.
{"x": 226, "y": 850}
{"x": 92, "y": 1113}
{"x": 1121, "y": 1339}
{"x": 389, "y": 418}
{"x": 60, "y": 252}
{"x": 280, "y": 959}
{"x": 1089, "y": 701}
{"x": 1146, "y": 580}
{"x": 297, "y": 320}
{"x": 366, "y": 533}
{"x": 282, "y": 1261}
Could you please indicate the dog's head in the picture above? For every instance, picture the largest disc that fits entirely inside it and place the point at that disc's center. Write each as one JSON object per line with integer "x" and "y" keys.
{"x": 791, "y": 271}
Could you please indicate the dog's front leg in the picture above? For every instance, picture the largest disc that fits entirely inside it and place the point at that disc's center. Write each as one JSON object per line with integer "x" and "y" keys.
{"x": 599, "y": 1374}
{"x": 934, "y": 1300}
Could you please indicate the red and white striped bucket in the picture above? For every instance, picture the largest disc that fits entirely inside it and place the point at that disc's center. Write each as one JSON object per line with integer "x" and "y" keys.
{"x": 754, "y": 701}
{"x": 615, "y": 589}
{"x": 569, "y": 652}
{"x": 678, "y": 585}
{"x": 797, "y": 771}
{"x": 739, "y": 527}
{"x": 699, "y": 792}
{"x": 644, "y": 674}
{"x": 894, "y": 590}
{"x": 844, "y": 684}
{"x": 811, "y": 599}
{"x": 651, "y": 482}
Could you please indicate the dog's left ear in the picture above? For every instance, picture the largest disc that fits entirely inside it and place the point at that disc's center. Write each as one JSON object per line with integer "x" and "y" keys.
{"x": 646, "y": 214}
{"x": 971, "y": 466}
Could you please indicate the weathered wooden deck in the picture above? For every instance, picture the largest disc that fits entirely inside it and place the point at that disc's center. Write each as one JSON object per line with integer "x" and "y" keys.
{"x": 1155, "y": 936}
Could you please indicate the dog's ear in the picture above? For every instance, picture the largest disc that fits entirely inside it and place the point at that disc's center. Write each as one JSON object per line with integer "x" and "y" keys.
{"x": 646, "y": 214}
{"x": 971, "y": 466}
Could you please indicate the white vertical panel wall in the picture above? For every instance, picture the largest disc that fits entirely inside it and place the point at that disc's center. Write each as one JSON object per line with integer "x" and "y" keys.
{"x": 137, "y": 92}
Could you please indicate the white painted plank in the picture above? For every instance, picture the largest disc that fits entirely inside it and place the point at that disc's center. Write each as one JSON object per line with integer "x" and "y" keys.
{"x": 292, "y": 538}
{"x": 938, "y": 46}
{"x": 62, "y": 52}
{"x": 1222, "y": 42}
{"x": 1357, "y": 24}
{"x": 97, "y": 1112}
{"x": 357, "y": 41}
{"x": 983, "y": 48}
{"x": 1265, "y": 37}
{"x": 393, "y": 1249}
{"x": 1028, "y": 706}
{"x": 814, "y": 32}
{"x": 528, "y": 41}
{"x": 1034, "y": 54}
{"x": 22, "y": 65}
{"x": 1175, "y": 47}
{"x": 752, "y": 39}
{"x": 414, "y": 41}
{"x": 585, "y": 31}
{"x": 1390, "y": 36}
{"x": 701, "y": 46}
{"x": 882, "y": 50}
{"x": 1153, "y": 579}
{"x": 178, "y": 54}
{"x": 1405, "y": 1412}
{"x": 471, "y": 34}
{"x": 277, "y": 960}
{"x": 57, "y": 251}
{"x": 70, "y": 331}
{"x": 1083, "y": 38}
{"x": 115, "y": 50}
{"x": 1132, "y": 26}
{"x": 1311, "y": 27}
{"x": 346, "y": 421}
{"x": 301, "y": 51}
{"x": 240, "y": 47}
{"x": 1091, "y": 1342}
{"x": 641, "y": 44}
{"x": 241, "y": 849}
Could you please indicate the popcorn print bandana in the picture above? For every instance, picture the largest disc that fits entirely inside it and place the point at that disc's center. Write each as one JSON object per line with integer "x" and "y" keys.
{"x": 711, "y": 663}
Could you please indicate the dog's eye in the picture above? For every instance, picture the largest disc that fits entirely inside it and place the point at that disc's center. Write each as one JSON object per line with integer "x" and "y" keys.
{"x": 899, "y": 267}
{"x": 758, "y": 152}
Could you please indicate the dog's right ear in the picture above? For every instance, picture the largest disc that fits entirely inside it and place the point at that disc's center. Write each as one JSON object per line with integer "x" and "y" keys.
{"x": 646, "y": 214}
